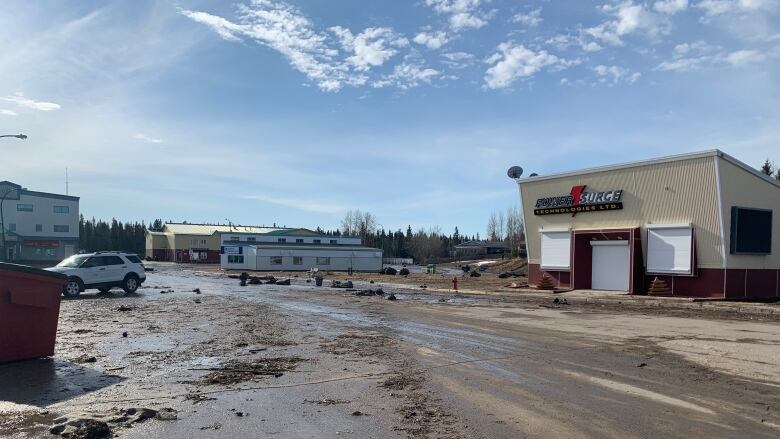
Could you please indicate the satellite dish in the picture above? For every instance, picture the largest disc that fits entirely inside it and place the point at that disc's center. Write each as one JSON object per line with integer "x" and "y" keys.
{"x": 515, "y": 172}
{"x": 534, "y": 174}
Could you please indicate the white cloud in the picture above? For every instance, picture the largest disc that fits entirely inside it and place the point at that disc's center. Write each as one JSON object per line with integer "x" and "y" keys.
{"x": 670, "y": 7}
{"x": 225, "y": 28}
{"x": 742, "y": 57}
{"x": 682, "y": 64}
{"x": 531, "y": 19}
{"x": 463, "y": 14}
{"x": 512, "y": 62}
{"x": 457, "y": 60}
{"x": 408, "y": 75}
{"x": 627, "y": 18}
{"x": 5, "y": 112}
{"x": 714, "y": 8}
{"x": 307, "y": 205}
{"x": 145, "y": 138}
{"x": 615, "y": 74}
{"x": 22, "y": 101}
{"x": 371, "y": 48}
{"x": 432, "y": 40}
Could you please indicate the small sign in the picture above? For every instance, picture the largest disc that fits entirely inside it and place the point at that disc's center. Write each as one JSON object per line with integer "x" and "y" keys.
{"x": 232, "y": 250}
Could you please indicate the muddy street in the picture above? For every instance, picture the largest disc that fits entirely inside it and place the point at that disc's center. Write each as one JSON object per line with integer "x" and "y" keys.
{"x": 194, "y": 354}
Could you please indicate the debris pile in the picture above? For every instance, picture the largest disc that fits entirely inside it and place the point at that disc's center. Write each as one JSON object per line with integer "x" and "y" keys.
{"x": 369, "y": 292}
{"x": 390, "y": 271}
{"x": 404, "y": 272}
{"x": 100, "y": 426}
{"x": 235, "y": 371}
{"x": 340, "y": 284}
{"x": 475, "y": 274}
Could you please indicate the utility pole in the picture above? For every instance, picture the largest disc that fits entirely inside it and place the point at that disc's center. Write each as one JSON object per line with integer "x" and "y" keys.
{"x": 4, "y": 253}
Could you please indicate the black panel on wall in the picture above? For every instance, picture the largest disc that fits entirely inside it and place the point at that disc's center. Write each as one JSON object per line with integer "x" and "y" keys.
{"x": 751, "y": 230}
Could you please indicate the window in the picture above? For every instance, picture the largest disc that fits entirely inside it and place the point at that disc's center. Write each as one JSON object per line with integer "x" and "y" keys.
{"x": 134, "y": 259}
{"x": 299, "y": 240}
{"x": 333, "y": 241}
{"x": 276, "y": 260}
{"x": 297, "y": 260}
{"x": 252, "y": 239}
{"x": 751, "y": 231}
{"x": 62, "y": 229}
{"x": 556, "y": 250}
{"x": 282, "y": 240}
{"x": 669, "y": 249}
{"x": 61, "y": 209}
{"x": 235, "y": 259}
{"x": 24, "y": 207}
{"x": 39, "y": 227}
{"x": 234, "y": 239}
{"x": 323, "y": 261}
{"x": 203, "y": 242}
{"x": 193, "y": 242}
{"x": 112, "y": 260}
{"x": 317, "y": 241}
{"x": 12, "y": 227}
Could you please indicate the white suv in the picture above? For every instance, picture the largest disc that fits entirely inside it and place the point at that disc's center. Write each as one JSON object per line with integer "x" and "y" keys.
{"x": 101, "y": 270}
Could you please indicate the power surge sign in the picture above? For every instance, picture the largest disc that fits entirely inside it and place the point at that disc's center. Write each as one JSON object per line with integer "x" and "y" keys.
{"x": 578, "y": 201}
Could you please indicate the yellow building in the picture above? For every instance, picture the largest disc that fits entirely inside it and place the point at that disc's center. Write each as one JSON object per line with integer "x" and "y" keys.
{"x": 701, "y": 222}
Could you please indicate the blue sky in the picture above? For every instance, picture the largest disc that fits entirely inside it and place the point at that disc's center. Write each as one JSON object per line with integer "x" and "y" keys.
{"x": 292, "y": 112}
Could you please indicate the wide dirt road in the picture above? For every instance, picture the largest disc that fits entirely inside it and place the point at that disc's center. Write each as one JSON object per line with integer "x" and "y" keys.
{"x": 426, "y": 365}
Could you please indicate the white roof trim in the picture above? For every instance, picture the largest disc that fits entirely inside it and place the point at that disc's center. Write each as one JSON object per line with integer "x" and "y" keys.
{"x": 655, "y": 161}
{"x": 746, "y": 167}
{"x": 671, "y": 158}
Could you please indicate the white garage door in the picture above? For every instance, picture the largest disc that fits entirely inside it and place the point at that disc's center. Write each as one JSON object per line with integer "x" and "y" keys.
{"x": 610, "y": 265}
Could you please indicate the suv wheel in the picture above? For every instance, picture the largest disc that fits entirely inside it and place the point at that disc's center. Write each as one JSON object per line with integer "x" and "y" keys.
{"x": 72, "y": 288}
{"x": 130, "y": 284}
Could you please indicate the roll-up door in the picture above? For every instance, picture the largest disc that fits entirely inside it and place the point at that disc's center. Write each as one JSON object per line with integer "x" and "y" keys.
{"x": 556, "y": 250}
{"x": 670, "y": 249}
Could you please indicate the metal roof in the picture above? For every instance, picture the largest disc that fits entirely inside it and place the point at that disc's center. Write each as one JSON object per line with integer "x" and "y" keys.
{"x": 650, "y": 162}
{"x": 210, "y": 229}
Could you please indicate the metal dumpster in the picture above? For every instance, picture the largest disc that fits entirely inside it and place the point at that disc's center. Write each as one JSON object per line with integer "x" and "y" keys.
{"x": 29, "y": 310}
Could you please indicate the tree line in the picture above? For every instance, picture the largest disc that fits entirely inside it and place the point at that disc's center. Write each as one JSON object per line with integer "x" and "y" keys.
{"x": 99, "y": 235}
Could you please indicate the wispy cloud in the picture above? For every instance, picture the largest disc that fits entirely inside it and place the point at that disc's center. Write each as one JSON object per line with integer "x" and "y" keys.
{"x": 22, "y": 101}
{"x": 332, "y": 58}
{"x": 463, "y": 14}
{"x": 5, "y": 112}
{"x": 307, "y": 205}
{"x": 145, "y": 138}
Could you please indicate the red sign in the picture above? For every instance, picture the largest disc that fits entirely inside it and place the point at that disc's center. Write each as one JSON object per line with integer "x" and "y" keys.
{"x": 42, "y": 244}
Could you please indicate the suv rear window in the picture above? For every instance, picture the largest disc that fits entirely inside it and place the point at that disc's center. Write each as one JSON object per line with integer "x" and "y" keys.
{"x": 134, "y": 259}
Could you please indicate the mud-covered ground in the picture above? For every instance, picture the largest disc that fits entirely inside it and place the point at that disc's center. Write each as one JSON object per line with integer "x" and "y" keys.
{"x": 194, "y": 354}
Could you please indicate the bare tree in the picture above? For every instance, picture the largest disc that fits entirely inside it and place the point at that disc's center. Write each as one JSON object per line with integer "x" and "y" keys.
{"x": 514, "y": 230}
{"x": 492, "y": 227}
{"x": 501, "y": 226}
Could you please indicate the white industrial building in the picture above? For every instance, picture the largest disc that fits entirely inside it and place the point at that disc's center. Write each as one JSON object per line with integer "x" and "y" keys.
{"x": 296, "y": 250}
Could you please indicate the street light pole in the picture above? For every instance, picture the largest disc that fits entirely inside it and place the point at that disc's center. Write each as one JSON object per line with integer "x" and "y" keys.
{"x": 4, "y": 254}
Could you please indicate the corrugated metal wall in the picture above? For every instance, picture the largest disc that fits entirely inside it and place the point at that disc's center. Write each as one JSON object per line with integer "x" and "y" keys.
{"x": 674, "y": 192}
{"x": 743, "y": 189}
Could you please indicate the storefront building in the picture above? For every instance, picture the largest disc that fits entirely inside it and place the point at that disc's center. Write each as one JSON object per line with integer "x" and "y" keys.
{"x": 705, "y": 223}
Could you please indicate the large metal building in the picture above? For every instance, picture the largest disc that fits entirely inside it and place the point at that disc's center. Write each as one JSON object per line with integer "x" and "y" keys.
{"x": 703, "y": 223}
{"x": 296, "y": 250}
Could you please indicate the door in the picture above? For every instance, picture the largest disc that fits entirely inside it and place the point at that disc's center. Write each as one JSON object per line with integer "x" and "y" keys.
{"x": 92, "y": 270}
{"x": 115, "y": 269}
{"x": 611, "y": 269}
{"x": 68, "y": 251}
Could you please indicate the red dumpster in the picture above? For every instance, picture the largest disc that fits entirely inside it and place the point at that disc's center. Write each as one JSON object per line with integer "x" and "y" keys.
{"x": 29, "y": 310}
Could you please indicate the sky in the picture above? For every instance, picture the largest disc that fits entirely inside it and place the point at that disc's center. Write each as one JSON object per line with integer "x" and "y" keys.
{"x": 295, "y": 111}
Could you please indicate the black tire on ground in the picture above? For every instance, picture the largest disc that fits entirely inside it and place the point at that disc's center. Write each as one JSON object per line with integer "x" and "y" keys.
{"x": 130, "y": 284}
{"x": 73, "y": 288}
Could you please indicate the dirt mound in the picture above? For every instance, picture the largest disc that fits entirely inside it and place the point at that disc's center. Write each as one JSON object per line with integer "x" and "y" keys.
{"x": 515, "y": 265}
